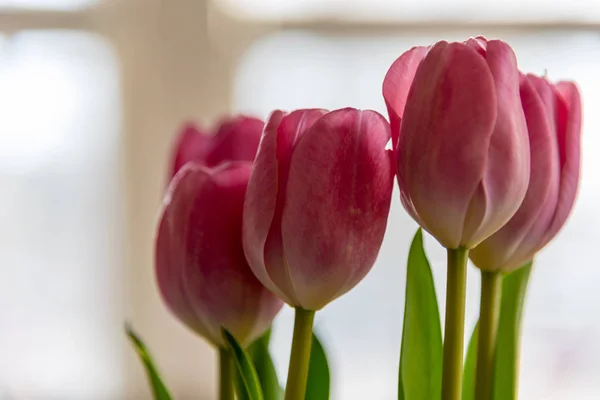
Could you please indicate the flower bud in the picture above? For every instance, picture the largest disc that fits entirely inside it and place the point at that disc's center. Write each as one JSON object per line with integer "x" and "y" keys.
{"x": 460, "y": 138}
{"x": 201, "y": 270}
{"x": 318, "y": 202}
{"x": 553, "y": 114}
{"x": 235, "y": 139}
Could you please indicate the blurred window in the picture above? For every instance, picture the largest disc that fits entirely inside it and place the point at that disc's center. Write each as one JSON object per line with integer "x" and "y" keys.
{"x": 512, "y": 11}
{"x": 60, "y": 235}
{"x": 59, "y": 5}
{"x": 560, "y": 352}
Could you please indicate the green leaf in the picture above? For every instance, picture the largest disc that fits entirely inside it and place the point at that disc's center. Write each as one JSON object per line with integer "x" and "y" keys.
{"x": 250, "y": 385}
{"x": 240, "y": 390}
{"x": 158, "y": 387}
{"x": 420, "y": 375}
{"x": 506, "y": 376}
{"x": 317, "y": 387}
{"x": 265, "y": 369}
{"x": 468, "y": 386}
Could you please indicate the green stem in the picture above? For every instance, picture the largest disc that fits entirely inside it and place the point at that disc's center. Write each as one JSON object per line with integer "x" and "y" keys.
{"x": 300, "y": 357}
{"x": 226, "y": 375}
{"x": 489, "y": 316}
{"x": 455, "y": 323}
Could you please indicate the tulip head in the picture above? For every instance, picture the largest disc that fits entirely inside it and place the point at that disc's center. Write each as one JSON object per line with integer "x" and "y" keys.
{"x": 234, "y": 139}
{"x": 201, "y": 270}
{"x": 553, "y": 114}
{"x": 460, "y": 138}
{"x": 317, "y": 203}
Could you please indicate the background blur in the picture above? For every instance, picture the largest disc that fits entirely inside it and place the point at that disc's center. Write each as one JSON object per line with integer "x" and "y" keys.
{"x": 92, "y": 93}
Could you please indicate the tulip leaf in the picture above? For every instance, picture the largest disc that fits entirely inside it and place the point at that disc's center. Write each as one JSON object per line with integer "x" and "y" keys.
{"x": 159, "y": 389}
{"x": 420, "y": 375}
{"x": 506, "y": 376}
{"x": 317, "y": 387}
{"x": 468, "y": 386}
{"x": 249, "y": 384}
{"x": 265, "y": 369}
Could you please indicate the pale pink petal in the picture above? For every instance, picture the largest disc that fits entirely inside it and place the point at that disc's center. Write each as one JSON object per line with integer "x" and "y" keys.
{"x": 516, "y": 242}
{"x": 506, "y": 176}
{"x": 396, "y": 85}
{"x": 569, "y": 144}
{"x": 446, "y": 130}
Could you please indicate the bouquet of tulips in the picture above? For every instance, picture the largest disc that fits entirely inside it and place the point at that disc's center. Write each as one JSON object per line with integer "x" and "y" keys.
{"x": 294, "y": 211}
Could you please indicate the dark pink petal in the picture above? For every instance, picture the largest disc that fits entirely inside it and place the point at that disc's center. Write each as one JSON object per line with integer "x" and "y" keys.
{"x": 337, "y": 202}
{"x": 569, "y": 145}
{"x": 448, "y": 122}
{"x": 203, "y": 255}
{"x": 506, "y": 175}
{"x": 170, "y": 262}
{"x": 266, "y": 198}
{"x": 479, "y": 44}
{"x": 191, "y": 145}
{"x": 236, "y": 139}
{"x": 261, "y": 200}
{"x": 292, "y": 127}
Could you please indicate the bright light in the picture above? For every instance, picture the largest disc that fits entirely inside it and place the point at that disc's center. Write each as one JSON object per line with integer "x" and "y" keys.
{"x": 39, "y": 98}
{"x": 59, "y": 5}
{"x": 423, "y": 10}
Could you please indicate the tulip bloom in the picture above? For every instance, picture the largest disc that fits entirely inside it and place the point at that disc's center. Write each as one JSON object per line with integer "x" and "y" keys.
{"x": 317, "y": 203}
{"x": 235, "y": 139}
{"x": 201, "y": 270}
{"x": 553, "y": 115}
{"x": 460, "y": 138}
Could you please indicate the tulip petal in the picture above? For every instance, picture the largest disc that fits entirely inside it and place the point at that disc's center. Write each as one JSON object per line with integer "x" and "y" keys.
{"x": 204, "y": 213}
{"x": 446, "y": 130}
{"x": 293, "y": 126}
{"x": 266, "y": 197}
{"x": 236, "y": 140}
{"x": 479, "y": 44}
{"x": 517, "y": 241}
{"x": 508, "y": 161}
{"x": 261, "y": 200}
{"x": 569, "y": 144}
{"x": 169, "y": 277}
{"x": 397, "y": 84}
{"x": 191, "y": 145}
{"x": 337, "y": 203}
{"x": 171, "y": 254}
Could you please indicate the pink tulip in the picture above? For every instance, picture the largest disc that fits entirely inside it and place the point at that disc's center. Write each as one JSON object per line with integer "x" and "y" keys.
{"x": 201, "y": 270}
{"x": 553, "y": 115}
{"x": 460, "y": 137}
{"x": 235, "y": 139}
{"x": 317, "y": 203}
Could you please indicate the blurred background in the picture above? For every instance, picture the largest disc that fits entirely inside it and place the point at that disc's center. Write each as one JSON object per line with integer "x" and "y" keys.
{"x": 93, "y": 91}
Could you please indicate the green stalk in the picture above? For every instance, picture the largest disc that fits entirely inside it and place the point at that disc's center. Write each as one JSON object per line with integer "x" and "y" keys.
{"x": 226, "y": 375}
{"x": 489, "y": 316}
{"x": 300, "y": 357}
{"x": 454, "y": 330}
